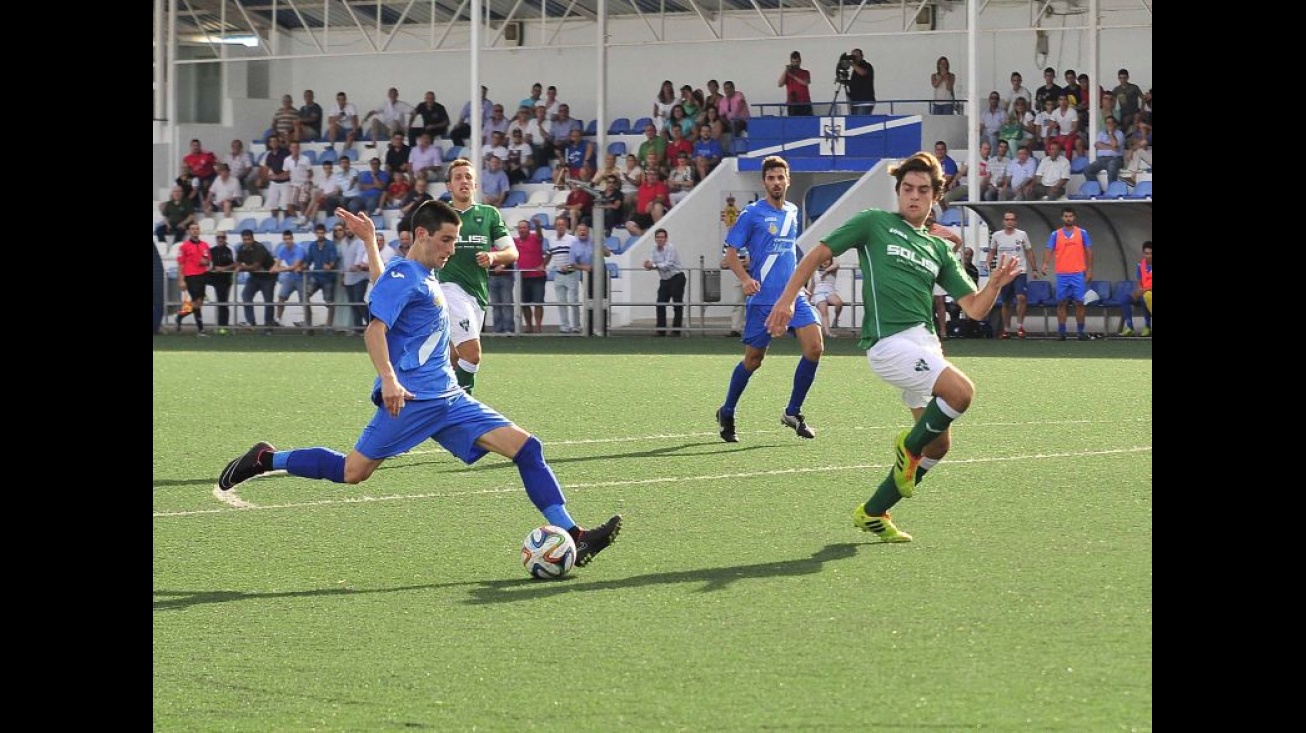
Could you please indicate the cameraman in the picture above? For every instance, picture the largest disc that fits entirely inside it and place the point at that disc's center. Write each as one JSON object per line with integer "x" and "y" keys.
{"x": 861, "y": 83}
{"x": 796, "y": 80}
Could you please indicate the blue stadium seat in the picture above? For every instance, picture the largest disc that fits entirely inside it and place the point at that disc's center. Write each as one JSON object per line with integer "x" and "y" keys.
{"x": 618, "y": 148}
{"x": 351, "y": 154}
{"x": 249, "y": 223}
{"x": 310, "y": 154}
{"x": 515, "y": 197}
{"x": 1087, "y": 190}
{"x": 1103, "y": 290}
{"x": 615, "y": 244}
{"x": 446, "y": 197}
{"x": 455, "y": 153}
{"x": 821, "y": 197}
{"x": 1122, "y": 292}
{"x": 637, "y": 127}
{"x": 591, "y": 128}
{"x": 1142, "y": 191}
{"x": 328, "y": 155}
{"x": 330, "y": 223}
{"x": 269, "y": 226}
{"x": 1116, "y": 189}
{"x": 951, "y": 217}
{"x": 1079, "y": 164}
{"x": 614, "y": 272}
{"x": 542, "y": 174}
{"x": 542, "y": 218}
{"x": 620, "y": 126}
{"x": 1041, "y": 295}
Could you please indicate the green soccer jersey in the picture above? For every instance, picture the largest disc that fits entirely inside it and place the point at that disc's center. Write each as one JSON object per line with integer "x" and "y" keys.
{"x": 482, "y": 225}
{"x": 900, "y": 265}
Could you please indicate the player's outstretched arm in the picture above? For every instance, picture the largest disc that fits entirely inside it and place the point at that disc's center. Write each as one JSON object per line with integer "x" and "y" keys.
{"x": 365, "y": 229}
{"x": 783, "y": 310}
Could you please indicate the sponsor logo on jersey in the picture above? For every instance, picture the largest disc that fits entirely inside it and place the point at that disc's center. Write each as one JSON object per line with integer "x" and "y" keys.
{"x": 911, "y": 256}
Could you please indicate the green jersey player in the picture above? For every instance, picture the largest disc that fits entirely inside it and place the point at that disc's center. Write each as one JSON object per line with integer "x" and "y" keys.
{"x": 483, "y": 242}
{"x": 901, "y": 260}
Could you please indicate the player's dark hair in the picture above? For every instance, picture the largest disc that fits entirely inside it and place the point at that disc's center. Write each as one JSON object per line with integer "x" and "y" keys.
{"x": 432, "y": 215}
{"x": 773, "y": 161}
{"x": 921, "y": 162}
{"x": 1147, "y": 244}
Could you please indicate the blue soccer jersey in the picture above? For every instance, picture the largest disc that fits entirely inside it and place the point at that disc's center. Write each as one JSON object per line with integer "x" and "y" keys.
{"x": 407, "y": 298}
{"x": 767, "y": 234}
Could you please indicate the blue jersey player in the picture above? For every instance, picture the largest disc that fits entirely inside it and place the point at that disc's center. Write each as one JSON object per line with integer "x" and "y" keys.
{"x": 416, "y": 392}
{"x": 766, "y": 231}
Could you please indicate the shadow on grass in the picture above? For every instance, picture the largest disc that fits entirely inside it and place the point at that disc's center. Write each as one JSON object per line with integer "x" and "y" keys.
{"x": 526, "y": 589}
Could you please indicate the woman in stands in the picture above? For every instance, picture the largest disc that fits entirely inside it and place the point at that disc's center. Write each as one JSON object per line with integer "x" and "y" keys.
{"x": 662, "y": 105}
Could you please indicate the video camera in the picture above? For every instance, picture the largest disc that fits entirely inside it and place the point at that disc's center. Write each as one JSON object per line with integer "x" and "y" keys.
{"x": 843, "y": 71}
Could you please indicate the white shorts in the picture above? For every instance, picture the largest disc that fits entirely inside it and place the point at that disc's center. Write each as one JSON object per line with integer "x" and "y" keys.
{"x": 465, "y": 315}
{"x": 823, "y": 291}
{"x": 910, "y": 360}
{"x": 278, "y": 195}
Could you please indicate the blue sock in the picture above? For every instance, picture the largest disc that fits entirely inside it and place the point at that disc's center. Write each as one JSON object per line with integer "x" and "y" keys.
{"x": 738, "y": 381}
{"x": 1079, "y": 326}
{"x": 311, "y": 463}
{"x": 1061, "y": 328}
{"x": 1127, "y": 313}
{"x": 541, "y": 485}
{"x": 803, "y": 376}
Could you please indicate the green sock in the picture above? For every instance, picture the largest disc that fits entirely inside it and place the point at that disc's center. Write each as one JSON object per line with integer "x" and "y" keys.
{"x": 884, "y": 498}
{"x": 466, "y": 380}
{"x": 932, "y": 423}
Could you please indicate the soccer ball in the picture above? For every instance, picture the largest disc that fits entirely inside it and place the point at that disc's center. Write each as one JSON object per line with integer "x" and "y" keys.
{"x": 548, "y": 552}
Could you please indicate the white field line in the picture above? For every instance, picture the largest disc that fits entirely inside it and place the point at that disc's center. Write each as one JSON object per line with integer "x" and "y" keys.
{"x": 232, "y": 501}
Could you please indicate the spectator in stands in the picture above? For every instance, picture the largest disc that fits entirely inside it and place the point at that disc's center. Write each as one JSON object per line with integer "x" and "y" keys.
{"x": 354, "y": 262}
{"x": 395, "y": 192}
{"x": 825, "y": 294}
{"x": 1017, "y": 91}
{"x": 729, "y": 215}
{"x": 632, "y": 176}
{"x": 308, "y": 121}
{"x": 681, "y": 142}
{"x": 949, "y": 165}
{"x": 651, "y": 164}
{"x": 671, "y": 283}
{"x": 681, "y": 179}
{"x": 943, "y": 82}
{"x": 429, "y": 117}
{"x": 1130, "y": 98}
{"x": 178, "y": 214}
{"x": 582, "y": 258}
{"x": 242, "y": 165}
{"x": 254, "y": 259}
{"x": 530, "y": 262}
{"x": 520, "y": 162}
{"x": 1142, "y": 295}
{"x": 1079, "y": 97}
{"x": 425, "y": 160}
{"x": 613, "y": 204}
{"x": 707, "y": 152}
{"x": 1045, "y": 122}
{"x": 693, "y": 106}
{"x": 1070, "y": 256}
{"x": 1020, "y": 129}
{"x": 274, "y": 172}
{"x": 796, "y": 82}
{"x": 566, "y": 278}
{"x": 861, "y": 85}
{"x": 537, "y": 91}
{"x": 679, "y": 120}
{"x": 540, "y": 137}
{"x": 494, "y": 182}
{"x": 662, "y": 103}
{"x": 221, "y": 273}
{"x": 201, "y": 164}
{"x": 1022, "y": 173}
{"x": 1053, "y": 174}
{"x": 225, "y": 193}
{"x": 300, "y": 192}
{"x": 1049, "y": 90}
{"x": 502, "y": 275}
{"x": 1065, "y": 123}
{"x": 997, "y": 169}
{"x": 495, "y": 123}
{"x": 1138, "y": 159}
{"x": 961, "y": 191}
{"x": 579, "y": 204}
{"x": 389, "y": 118}
{"x": 713, "y": 98}
{"x": 651, "y": 203}
{"x": 396, "y": 154}
{"x": 991, "y": 120}
{"x": 462, "y": 131}
{"x": 1110, "y": 153}
{"x": 1107, "y": 108}
{"x": 653, "y": 143}
{"x": 734, "y": 110}
{"x": 609, "y": 169}
{"x": 285, "y": 119}
{"x": 521, "y": 121}
{"x": 343, "y": 122}
{"x": 562, "y": 125}
{"x": 720, "y": 133}
{"x": 321, "y": 258}
{"x": 190, "y": 187}
{"x": 193, "y": 263}
{"x": 577, "y": 156}
{"x": 331, "y": 193}
{"x": 289, "y": 268}
{"x": 371, "y": 184}
{"x": 552, "y": 106}
{"x": 417, "y": 195}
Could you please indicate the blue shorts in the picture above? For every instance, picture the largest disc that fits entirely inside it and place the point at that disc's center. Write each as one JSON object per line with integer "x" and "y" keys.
{"x": 1070, "y": 287}
{"x": 455, "y": 422}
{"x": 1019, "y": 286}
{"x": 755, "y": 333}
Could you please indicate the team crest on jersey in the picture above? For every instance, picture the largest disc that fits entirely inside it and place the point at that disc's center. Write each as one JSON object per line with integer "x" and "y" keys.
{"x": 465, "y": 324}
{"x": 772, "y": 229}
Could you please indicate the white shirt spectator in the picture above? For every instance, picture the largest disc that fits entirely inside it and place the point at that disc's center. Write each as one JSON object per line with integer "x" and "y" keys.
{"x": 1051, "y": 172}
{"x": 225, "y": 189}
{"x": 355, "y": 253}
{"x": 558, "y": 249}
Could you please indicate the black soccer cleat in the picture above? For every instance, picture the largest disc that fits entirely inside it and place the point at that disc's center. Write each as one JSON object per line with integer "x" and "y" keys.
{"x": 727, "y": 423}
{"x": 798, "y": 425}
{"x": 596, "y": 539}
{"x": 256, "y": 460}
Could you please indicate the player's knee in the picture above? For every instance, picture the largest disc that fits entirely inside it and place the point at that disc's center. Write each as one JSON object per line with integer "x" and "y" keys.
{"x": 357, "y": 474}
